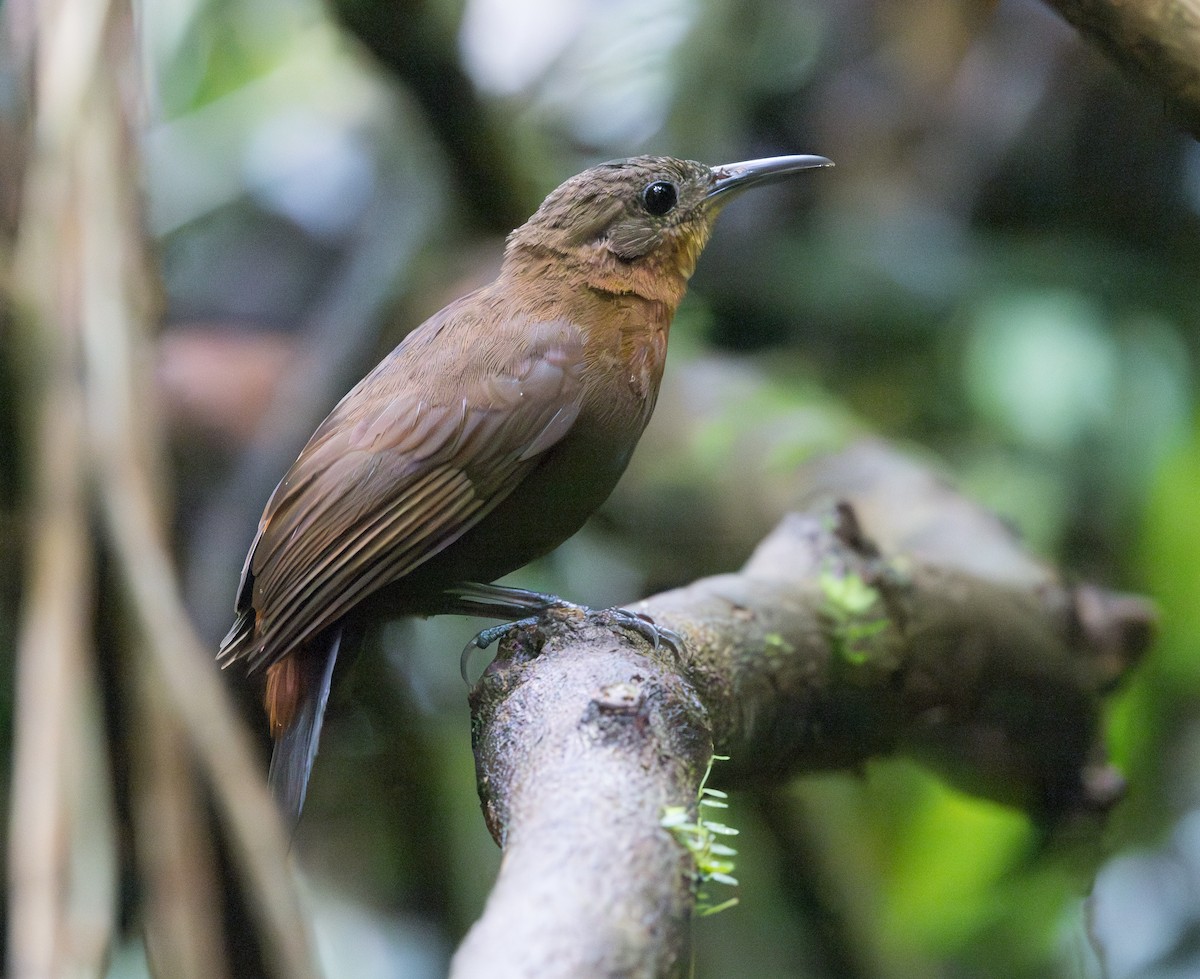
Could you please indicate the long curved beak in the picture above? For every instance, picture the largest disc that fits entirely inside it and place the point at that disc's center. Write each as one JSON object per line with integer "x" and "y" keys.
{"x": 733, "y": 178}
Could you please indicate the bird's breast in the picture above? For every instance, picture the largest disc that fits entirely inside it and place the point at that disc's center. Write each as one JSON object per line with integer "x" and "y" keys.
{"x": 626, "y": 363}
{"x": 644, "y": 361}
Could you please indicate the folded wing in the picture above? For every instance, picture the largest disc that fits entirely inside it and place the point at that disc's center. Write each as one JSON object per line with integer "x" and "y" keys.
{"x": 397, "y": 472}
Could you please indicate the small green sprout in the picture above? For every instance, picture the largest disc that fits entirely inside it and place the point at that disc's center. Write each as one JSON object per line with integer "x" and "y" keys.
{"x": 775, "y": 645}
{"x": 847, "y": 600}
{"x": 713, "y": 859}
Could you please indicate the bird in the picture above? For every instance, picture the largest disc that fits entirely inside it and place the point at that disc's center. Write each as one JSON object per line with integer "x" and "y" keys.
{"x": 485, "y": 439}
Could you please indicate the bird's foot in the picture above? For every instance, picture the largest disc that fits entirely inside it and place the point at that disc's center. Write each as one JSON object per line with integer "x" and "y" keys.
{"x": 546, "y": 605}
{"x": 656, "y": 635}
{"x": 488, "y": 636}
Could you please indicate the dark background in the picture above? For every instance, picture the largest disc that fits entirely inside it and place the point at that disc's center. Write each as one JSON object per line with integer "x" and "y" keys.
{"x": 1000, "y": 271}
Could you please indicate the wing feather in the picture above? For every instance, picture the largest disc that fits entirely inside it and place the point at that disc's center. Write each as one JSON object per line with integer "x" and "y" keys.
{"x": 376, "y": 493}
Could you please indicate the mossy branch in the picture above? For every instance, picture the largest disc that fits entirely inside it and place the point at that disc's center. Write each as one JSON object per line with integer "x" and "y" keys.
{"x": 861, "y": 629}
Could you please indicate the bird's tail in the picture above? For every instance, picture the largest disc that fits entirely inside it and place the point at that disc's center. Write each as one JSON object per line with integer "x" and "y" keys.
{"x": 296, "y": 695}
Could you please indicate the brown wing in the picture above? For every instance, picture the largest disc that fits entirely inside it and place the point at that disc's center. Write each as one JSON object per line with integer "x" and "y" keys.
{"x": 421, "y": 450}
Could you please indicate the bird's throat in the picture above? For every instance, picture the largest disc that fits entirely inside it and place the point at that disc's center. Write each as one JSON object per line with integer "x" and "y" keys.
{"x": 644, "y": 280}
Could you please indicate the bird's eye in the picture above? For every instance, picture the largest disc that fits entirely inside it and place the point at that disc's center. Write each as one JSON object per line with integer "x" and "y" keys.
{"x": 659, "y": 197}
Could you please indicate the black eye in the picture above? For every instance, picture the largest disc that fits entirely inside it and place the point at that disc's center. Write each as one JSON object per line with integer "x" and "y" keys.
{"x": 659, "y": 197}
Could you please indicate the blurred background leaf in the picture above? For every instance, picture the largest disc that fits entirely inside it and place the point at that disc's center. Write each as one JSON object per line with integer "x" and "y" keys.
{"x": 1001, "y": 269}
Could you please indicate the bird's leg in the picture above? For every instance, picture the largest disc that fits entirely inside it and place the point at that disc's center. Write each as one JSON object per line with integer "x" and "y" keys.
{"x": 502, "y": 601}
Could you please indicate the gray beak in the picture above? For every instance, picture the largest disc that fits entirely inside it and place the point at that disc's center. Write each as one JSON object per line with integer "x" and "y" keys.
{"x": 733, "y": 178}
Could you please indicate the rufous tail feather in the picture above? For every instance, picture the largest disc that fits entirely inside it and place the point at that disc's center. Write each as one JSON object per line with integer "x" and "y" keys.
{"x": 296, "y": 695}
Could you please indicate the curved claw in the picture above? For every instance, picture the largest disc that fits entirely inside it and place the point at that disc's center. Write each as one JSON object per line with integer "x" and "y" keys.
{"x": 488, "y": 636}
{"x": 656, "y": 635}
{"x": 465, "y": 660}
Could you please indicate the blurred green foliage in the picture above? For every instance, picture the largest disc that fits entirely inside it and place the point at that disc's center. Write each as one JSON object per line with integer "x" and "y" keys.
{"x": 1001, "y": 268}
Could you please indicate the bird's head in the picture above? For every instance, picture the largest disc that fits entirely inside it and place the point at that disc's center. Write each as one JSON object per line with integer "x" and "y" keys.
{"x": 637, "y": 226}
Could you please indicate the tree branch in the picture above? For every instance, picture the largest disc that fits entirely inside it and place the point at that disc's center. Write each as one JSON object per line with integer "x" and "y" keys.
{"x": 60, "y": 920}
{"x": 908, "y": 620}
{"x": 82, "y": 274}
{"x": 1157, "y": 41}
{"x": 579, "y": 749}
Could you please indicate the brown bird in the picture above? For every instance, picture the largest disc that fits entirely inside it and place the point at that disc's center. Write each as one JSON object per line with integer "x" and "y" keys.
{"x": 484, "y": 440}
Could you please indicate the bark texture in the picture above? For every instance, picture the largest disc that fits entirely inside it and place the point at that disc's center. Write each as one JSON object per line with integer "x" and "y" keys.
{"x": 892, "y": 616}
